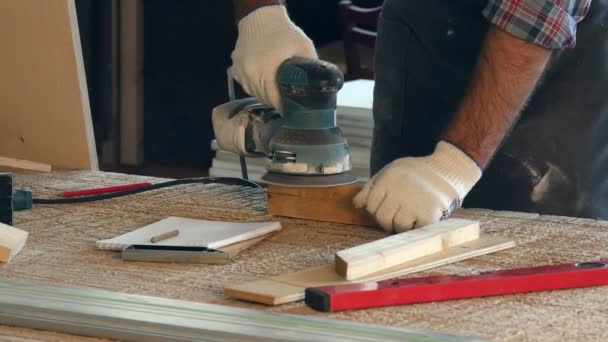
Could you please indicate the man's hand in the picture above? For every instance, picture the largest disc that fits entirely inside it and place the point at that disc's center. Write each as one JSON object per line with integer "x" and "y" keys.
{"x": 507, "y": 71}
{"x": 415, "y": 192}
{"x": 267, "y": 37}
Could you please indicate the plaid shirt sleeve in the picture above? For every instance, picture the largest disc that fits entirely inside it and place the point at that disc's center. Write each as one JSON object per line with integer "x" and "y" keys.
{"x": 548, "y": 23}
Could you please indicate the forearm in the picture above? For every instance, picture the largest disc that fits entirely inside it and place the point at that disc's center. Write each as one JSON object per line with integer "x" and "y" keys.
{"x": 505, "y": 76}
{"x": 244, "y": 7}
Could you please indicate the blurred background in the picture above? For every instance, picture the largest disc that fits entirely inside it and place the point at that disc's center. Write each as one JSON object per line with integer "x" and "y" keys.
{"x": 156, "y": 68}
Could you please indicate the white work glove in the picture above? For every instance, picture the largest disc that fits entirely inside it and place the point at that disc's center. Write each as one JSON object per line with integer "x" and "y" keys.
{"x": 266, "y": 38}
{"x": 415, "y": 192}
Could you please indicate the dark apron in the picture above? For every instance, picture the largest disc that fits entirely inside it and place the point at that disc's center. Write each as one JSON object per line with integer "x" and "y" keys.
{"x": 554, "y": 161}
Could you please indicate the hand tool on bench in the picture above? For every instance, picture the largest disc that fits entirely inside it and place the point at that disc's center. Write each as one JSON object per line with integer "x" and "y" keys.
{"x": 303, "y": 146}
{"x": 450, "y": 287}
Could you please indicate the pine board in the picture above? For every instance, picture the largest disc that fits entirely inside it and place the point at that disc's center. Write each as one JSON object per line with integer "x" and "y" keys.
{"x": 330, "y": 204}
{"x": 236, "y": 248}
{"x": 290, "y": 287}
{"x": 23, "y": 165}
{"x": 382, "y": 254}
{"x": 44, "y": 103}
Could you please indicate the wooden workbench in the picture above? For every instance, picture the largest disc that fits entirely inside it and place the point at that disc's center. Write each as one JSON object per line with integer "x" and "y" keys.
{"x": 61, "y": 251}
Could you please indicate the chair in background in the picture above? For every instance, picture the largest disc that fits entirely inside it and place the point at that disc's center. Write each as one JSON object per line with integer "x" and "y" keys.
{"x": 359, "y": 34}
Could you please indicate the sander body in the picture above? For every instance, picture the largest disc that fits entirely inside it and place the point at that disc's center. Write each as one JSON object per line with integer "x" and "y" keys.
{"x": 302, "y": 144}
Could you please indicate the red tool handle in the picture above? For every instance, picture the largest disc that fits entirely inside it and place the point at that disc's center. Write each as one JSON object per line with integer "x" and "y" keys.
{"x": 103, "y": 190}
{"x": 450, "y": 287}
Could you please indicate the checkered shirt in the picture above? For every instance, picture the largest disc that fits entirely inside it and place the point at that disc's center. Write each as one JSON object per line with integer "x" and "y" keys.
{"x": 548, "y": 23}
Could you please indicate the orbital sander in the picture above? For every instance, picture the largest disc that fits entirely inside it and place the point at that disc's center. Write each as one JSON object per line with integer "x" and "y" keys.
{"x": 302, "y": 144}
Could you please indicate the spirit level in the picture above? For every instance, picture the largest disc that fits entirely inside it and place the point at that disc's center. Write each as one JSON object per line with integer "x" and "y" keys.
{"x": 449, "y": 287}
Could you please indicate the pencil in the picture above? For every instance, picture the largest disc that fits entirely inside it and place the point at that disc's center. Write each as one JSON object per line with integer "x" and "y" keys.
{"x": 103, "y": 190}
{"x": 164, "y": 236}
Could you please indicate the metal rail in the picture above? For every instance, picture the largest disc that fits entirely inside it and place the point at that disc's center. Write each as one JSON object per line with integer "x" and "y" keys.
{"x": 105, "y": 314}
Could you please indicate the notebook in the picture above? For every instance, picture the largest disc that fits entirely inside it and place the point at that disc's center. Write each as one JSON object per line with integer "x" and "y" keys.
{"x": 192, "y": 232}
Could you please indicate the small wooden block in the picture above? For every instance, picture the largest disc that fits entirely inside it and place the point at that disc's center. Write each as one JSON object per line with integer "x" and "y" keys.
{"x": 24, "y": 165}
{"x": 266, "y": 291}
{"x": 330, "y": 204}
{"x": 12, "y": 241}
{"x": 289, "y": 288}
{"x": 236, "y": 248}
{"x": 397, "y": 249}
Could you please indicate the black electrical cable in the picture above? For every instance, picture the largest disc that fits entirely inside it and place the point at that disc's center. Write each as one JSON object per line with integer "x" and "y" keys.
{"x": 244, "y": 167}
{"x": 202, "y": 180}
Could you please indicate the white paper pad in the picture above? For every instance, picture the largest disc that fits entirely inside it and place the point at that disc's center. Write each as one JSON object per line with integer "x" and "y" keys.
{"x": 198, "y": 233}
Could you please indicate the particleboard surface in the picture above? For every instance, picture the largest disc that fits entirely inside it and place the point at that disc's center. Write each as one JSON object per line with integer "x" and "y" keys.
{"x": 60, "y": 251}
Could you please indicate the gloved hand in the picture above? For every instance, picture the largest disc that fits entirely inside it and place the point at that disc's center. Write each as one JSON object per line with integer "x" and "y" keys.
{"x": 414, "y": 192}
{"x": 266, "y": 38}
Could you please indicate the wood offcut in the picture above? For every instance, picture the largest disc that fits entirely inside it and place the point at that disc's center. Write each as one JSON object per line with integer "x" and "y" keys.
{"x": 290, "y": 287}
{"x": 375, "y": 256}
{"x": 330, "y": 204}
{"x": 19, "y": 164}
{"x": 12, "y": 241}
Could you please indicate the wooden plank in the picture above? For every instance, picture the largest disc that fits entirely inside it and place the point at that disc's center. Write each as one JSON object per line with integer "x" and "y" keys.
{"x": 331, "y": 204}
{"x": 12, "y": 241}
{"x": 290, "y": 287}
{"x": 266, "y": 291}
{"x": 397, "y": 249}
{"x": 131, "y": 83}
{"x": 236, "y": 248}
{"x": 24, "y": 164}
{"x": 44, "y": 103}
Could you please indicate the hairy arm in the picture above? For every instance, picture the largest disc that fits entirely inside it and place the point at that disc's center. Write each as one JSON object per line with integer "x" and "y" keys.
{"x": 244, "y": 7}
{"x": 507, "y": 71}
